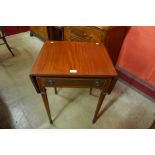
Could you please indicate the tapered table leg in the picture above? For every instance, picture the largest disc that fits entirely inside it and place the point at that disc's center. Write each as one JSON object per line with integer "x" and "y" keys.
{"x": 90, "y": 91}
{"x": 112, "y": 85}
{"x": 55, "y": 89}
{"x": 45, "y": 100}
{"x": 100, "y": 101}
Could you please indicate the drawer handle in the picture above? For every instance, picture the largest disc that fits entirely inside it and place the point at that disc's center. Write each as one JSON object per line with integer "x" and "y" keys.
{"x": 97, "y": 83}
{"x": 85, "y": 34}
{"x": 51, "y": 82}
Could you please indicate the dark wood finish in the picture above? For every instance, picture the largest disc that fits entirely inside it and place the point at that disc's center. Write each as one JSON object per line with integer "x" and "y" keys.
{"x": 57, "y": 58}
{"x": 113, "y": 41}
{"x": 72, "y": 82}
{"x": 101, "y": 98}
{"x": 55, "y": 90}
{"x": 112, "y": 84}
{"x": 90, "y": 91}
{"x": 55, "y": 33}
{"x": 45, "y": 99}
{"x": 104, "y": 90}
{"x": 2, "y": 36}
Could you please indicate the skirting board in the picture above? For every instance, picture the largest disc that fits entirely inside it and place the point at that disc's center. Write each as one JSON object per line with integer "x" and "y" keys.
{"x": 141, "y": 85}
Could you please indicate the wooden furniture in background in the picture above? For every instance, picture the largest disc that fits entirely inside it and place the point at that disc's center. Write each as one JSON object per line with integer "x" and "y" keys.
{"x": 111, "y": 36}
{"x": 55, "y": 33}
{"x": 2, "y": 36}
{"x": 47, "y": 32}
{"x": 73, "y": 64}
{"x": 40, "y": 31}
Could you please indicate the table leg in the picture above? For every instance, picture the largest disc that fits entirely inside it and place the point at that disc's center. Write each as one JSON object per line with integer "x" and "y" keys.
{"x": 55, "y": 90}
{"x": 45, "y": 100}
{"x": 90, "y": 91}
{"x": 100, "y": 101}
{"x": 112, "y": 85}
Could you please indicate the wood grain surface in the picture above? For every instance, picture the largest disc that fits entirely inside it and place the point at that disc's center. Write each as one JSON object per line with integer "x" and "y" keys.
{"x": 111, "y": 36}
{"x": 57, "y": 58}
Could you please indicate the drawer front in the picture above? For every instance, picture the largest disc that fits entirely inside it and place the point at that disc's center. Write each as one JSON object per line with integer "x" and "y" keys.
{"x": 81, "y": 33}
{"x": 71, "y": 82}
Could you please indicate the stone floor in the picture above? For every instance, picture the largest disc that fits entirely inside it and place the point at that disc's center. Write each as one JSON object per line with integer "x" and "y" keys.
{"x": 22, "y": 107}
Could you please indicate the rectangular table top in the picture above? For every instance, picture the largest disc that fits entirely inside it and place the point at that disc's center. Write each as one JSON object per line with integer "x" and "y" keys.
{"x": 73, "y": 59}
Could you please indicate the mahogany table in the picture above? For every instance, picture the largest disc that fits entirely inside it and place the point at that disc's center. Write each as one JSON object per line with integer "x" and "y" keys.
{"x": 73, "y": 64}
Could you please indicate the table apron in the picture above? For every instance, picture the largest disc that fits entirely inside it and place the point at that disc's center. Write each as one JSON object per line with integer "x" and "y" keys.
{"x": 72, "y": 82}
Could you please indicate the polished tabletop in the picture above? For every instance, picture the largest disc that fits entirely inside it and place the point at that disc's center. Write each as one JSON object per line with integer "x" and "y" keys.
{"x": 73, "y": 59}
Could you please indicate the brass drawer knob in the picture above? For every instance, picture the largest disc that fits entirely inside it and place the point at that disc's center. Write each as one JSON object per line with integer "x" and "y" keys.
{"x": 85, "y": 34}
{"x": 50, "y": 82}
{"x": 97, "y": 83}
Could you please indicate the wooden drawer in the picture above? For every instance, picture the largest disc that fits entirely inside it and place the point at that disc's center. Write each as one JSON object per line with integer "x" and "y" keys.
{"x": 71, "y": 82}
{"x": 82, "y": 33}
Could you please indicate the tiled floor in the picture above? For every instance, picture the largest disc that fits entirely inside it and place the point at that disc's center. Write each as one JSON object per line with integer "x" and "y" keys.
{"x": 22, "y": 107}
